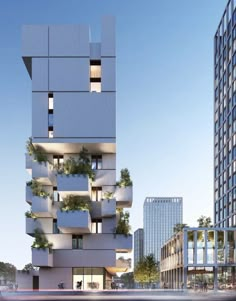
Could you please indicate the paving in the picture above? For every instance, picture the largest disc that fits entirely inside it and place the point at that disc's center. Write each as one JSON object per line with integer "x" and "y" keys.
{"x": 139, "y": 295}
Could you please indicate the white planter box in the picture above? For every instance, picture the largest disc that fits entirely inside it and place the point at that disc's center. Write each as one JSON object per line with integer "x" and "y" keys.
{"x": 44, "y": 224}
{"x": 74, "y": 222}
{"x": 42, "y": 207}
{"x": 108, "y": 208}
{"x": 42, "y": 258}
{"x": 73, "y": 184}
{"x": 28, "y": 194}
{"x": 43, "y": 172}
{"x": 28, "y": 162}
{"x": 124, "y": 196}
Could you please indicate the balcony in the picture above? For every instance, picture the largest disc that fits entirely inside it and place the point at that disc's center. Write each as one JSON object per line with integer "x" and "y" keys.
{"x": 44, "y": 224}
{"x": 28, "y": 163}
{"x": 43, "y": 172}
{"x": 42, "y": 257}
{"x": 42, "y": 207}
{"x": 96, "y": 209}
{"x": 124, "y": 196}
{"x": 74, "y": 222}
{"x": 28, "y": 194}
{"x": 108, "y": 208}
{"x": 122, "y": 266}
{"x": 120, "y": 243}
{"x": 73, "y": 184}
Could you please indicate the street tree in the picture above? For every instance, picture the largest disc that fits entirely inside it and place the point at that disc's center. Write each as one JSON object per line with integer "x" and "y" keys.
{"x": 147, "y": 270}
{"x": 179, "y": 227}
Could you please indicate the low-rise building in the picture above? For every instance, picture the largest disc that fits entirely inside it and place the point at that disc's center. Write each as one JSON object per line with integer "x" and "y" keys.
{"x": 198, "y": 258}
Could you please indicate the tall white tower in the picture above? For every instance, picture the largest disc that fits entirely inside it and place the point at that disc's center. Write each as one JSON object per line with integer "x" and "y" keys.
{"x": 73, "y": 195}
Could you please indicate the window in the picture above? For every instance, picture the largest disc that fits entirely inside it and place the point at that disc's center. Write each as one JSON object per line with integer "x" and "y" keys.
{"x": 56, "y": 196}
{"x": 50, "y": 115}
{"x": 96, "y": 194}
{"x": 77, "y": 242}
{"x": 55, "y": 229}
{"x": 97, "y": 162}
{"x": 96, "y": 226}
{"x": 95, "y": 76}
{"x": 58, "y": 161}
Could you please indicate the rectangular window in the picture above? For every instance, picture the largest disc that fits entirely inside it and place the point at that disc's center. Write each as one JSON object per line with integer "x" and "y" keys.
{"x": 58, "y": 161}
{"x": 77, "y": 242}
{"x": 56, "y": 196}
{"x": 96, "y": 194}
{"x": 96, "y": 162}
{"x": 55, "y": 229}
{"x": 50, "y": 115}
{"x": 95, "y": 76}
{"x": 96, "y": 226}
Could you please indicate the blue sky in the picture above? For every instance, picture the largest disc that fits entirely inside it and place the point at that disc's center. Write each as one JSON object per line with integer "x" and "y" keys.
{"x": 164, "y": 102}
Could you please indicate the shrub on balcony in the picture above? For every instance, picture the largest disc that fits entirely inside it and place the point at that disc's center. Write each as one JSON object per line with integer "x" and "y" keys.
{"x": 107, "y": 195}
{"x": 80, "y": 166}
{"x": 40, "y": 241}
{"x": 36, "y": 152}
{"x": 125, "y": 180}
{"x": 123, "y": 226}
{"x": 30, "y": 214}
{"x": 37, "y": 189}
{"x": 75, "y": 203}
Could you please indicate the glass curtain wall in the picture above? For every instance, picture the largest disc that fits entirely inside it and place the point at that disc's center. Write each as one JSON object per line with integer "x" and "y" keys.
{"x": 92, "y": 278}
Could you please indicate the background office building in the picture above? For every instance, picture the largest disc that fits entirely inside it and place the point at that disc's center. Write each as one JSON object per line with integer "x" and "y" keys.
{"x": 74, "y": 110}
{"x": 225, "y": 119}
{"x": 138, "y": 245}
{"x": 160, "y": 215}
{"x": 199, "y": 255}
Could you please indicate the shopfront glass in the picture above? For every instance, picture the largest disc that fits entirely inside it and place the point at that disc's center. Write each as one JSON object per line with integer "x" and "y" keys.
{"x": 196, "y": 277}
{"x": 226, "y": 278}
{"x": 92, "y": 278}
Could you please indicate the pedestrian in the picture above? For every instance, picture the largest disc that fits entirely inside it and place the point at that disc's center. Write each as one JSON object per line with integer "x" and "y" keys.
{"x": 205, "y": 286}
{"x": 79, "y": 285}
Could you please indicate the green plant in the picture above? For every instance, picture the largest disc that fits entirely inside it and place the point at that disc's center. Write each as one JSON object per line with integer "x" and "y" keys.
{"x": 36, "y": 151}
{"x": 75, "y": 203}
{"x": 40, "y": 241}
{"x": 37, "y": 189}
{"x": 125, "y": 180}
{"x": 80, "y": 166}
{"x": 108, "y": 195}
{"x": 123, "y": 226}
{"x": 30, "y": 214}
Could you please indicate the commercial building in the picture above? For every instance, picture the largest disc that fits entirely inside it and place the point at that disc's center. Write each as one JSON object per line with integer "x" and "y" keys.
{"x": 73, "y": 195}
{"x": 160, "y": 215}
{"x": 225, "y": 119}
{"x": 138, "y": 245}
{"x": 197, "y": 256}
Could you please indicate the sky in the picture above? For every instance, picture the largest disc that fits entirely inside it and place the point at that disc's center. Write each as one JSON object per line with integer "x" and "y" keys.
{"x": 164, "y": 102}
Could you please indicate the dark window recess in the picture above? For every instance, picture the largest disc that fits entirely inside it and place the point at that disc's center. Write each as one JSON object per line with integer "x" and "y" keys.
{"x": 50, "y": 120}
{"x": 77, "y": 241}
{"x": 56, "y": 196}
{"x": 55, "y": 229}
{"x": 95, "y": 62}
{"x": 95, "y": 79}
{"x": 50, "y": 128}
{"x": 96, "y": 162}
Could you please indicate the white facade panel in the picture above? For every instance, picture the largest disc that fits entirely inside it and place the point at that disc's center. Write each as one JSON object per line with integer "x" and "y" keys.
{"x": 104, "y": 177}
{"x": 40, "y": 115}
{"x": 108, "y": 38}
{"x": 49, "y": 278}
{"x": 108, "y": 225}
{"x": 95, "y": 51}
{"x": 44, "y": 224}
{"x": 107, "y": 241}
{"x": 108, "y": 74}
{"x": 84, "y": 258}
{"x": 60, "y": 241}
{"x": 39, "y": 74}
{"x": 109, "y": 161}
{"x": 34, "y": 40}
{"x": 72, "y": 110}
{"x": 69, "y": 74}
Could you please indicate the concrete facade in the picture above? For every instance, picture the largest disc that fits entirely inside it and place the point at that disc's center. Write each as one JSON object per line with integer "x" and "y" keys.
{"x": 74, "y": 106}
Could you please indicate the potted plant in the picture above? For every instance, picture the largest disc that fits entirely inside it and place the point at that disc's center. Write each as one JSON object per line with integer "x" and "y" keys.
{"x": 40, "y": 241}
{"x": 123, "y": 226}
{"x": 75, "y": 203}
{"x": 125, "y": 180}
{"x": 37, "y": 189}
{"x": 36, "y": 152}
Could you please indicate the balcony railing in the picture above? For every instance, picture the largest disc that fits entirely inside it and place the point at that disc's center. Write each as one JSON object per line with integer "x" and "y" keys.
{"x": 42, "y": 207}
{"x": 74, "y": 222}
{"x": 42, "y": 257}
{"x": 108, "y": 208}
{"x": 124, "y": 196}
{"x": 73, "y": 184}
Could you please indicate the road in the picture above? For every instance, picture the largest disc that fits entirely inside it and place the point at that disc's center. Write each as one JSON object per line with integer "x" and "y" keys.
{"x": 139, "y": 295}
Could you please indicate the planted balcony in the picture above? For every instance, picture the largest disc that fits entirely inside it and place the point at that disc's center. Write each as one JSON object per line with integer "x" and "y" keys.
{"x": 108, "y": 208}
{"x": 28, "y": 193}
{"x": 33, "y": 223}
{"x": 74, "y": 176}
{"x": 123, "y": 229}
{"x": 41, "y": 168}
{"x": 74, "y": 216}
{"x": 124, "y": 190}
{"x": 42, "y": 255}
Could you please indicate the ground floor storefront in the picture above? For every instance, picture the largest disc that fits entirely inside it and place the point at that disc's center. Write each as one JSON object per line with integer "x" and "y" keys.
{"x": 200, "y": 278}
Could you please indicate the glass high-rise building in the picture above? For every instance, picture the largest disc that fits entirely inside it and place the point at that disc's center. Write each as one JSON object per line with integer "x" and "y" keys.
{"x": 225, "y": 119}
{"x": 138, "y": 245}
{"x": 160, "y": 215}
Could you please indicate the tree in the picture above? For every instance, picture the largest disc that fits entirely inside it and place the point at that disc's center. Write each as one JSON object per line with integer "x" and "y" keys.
{"x": 128, "y": 279}
{"x": 204, "y": 221}
{"x": 147, "y": 270}
{"x": 29, "y": 267}
{"x": 8, "y": 271}
{"x": 179, "y": 228}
